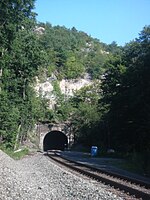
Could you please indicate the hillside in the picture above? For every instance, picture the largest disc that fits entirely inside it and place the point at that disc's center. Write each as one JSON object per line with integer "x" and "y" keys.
{"x": 72, "y": 53}
{"x": 75, "y": 60}
{"x": 68, "y": 87}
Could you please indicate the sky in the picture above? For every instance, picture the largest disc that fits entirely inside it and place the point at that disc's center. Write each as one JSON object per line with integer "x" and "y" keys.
{"x": 107, "y": 20}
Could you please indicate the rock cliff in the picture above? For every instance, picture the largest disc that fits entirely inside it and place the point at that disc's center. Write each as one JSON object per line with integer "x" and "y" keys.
{"x": 67, "y": 87}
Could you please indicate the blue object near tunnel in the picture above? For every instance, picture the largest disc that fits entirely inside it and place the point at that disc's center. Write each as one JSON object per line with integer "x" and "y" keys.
{"x": 94, "y": 150}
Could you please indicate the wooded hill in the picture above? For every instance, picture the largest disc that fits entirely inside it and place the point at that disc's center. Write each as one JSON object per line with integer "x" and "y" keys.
{"x": 71, "y": 53}
{"x": 112, "y": 113}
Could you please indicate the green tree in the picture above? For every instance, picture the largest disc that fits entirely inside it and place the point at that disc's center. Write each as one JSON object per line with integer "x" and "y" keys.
{"x": 85, "y": 115}
{"x": 73, "y": 68}
{"x": 21, "y": 56}
{"x": 126, "y": 96}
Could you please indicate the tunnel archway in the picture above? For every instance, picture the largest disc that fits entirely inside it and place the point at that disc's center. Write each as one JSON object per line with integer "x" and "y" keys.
{"x": 55, "y": 140}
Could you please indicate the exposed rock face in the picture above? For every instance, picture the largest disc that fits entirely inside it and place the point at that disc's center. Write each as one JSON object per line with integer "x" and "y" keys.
{"x": 67, "y": 87}
{"x": 45, "y": 89}
{"x": 39, "y": 30}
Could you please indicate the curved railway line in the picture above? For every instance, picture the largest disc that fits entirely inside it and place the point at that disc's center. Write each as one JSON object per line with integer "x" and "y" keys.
{"x": 137, "y": 188}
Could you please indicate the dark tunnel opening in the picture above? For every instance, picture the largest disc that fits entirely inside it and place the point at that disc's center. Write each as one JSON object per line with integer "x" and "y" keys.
{"x": 55, "y": 140}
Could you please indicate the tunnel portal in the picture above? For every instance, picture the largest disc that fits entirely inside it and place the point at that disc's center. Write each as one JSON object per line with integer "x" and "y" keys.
{"x": 55, "y": 140}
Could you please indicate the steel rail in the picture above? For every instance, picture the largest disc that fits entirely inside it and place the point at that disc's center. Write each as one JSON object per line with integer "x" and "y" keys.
{"x": 119, "y": 176}
{"x": 79, "y": 168}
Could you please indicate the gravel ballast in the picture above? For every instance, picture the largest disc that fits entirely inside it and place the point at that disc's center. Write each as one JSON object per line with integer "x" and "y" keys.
{"x": 36, "y": 178}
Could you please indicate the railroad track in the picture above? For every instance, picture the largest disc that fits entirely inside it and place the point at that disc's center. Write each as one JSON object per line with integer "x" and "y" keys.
{"x": 131, "y": 186}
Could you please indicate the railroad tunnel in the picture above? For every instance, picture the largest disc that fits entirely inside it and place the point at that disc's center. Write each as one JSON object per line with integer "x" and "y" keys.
{"x": 55, "y": 140}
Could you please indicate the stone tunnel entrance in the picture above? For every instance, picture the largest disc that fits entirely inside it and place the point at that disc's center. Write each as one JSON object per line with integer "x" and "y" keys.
{"x": 55, "y": 140}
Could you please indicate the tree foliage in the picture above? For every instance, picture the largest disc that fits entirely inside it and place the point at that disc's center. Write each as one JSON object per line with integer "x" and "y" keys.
{"x": 127, "y": 93}
{"x": 20, "y": 57}
{"x": 72, "y": 52}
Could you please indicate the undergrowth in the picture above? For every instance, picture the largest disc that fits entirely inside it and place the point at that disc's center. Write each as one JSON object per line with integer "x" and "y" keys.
{"x": 15, "y": 154}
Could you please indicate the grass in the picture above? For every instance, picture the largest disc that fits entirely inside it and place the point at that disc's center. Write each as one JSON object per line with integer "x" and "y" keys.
{"x": 134, "y": 163}
{"x": 15, "y": 155}
{"x": 126, "y": 165}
